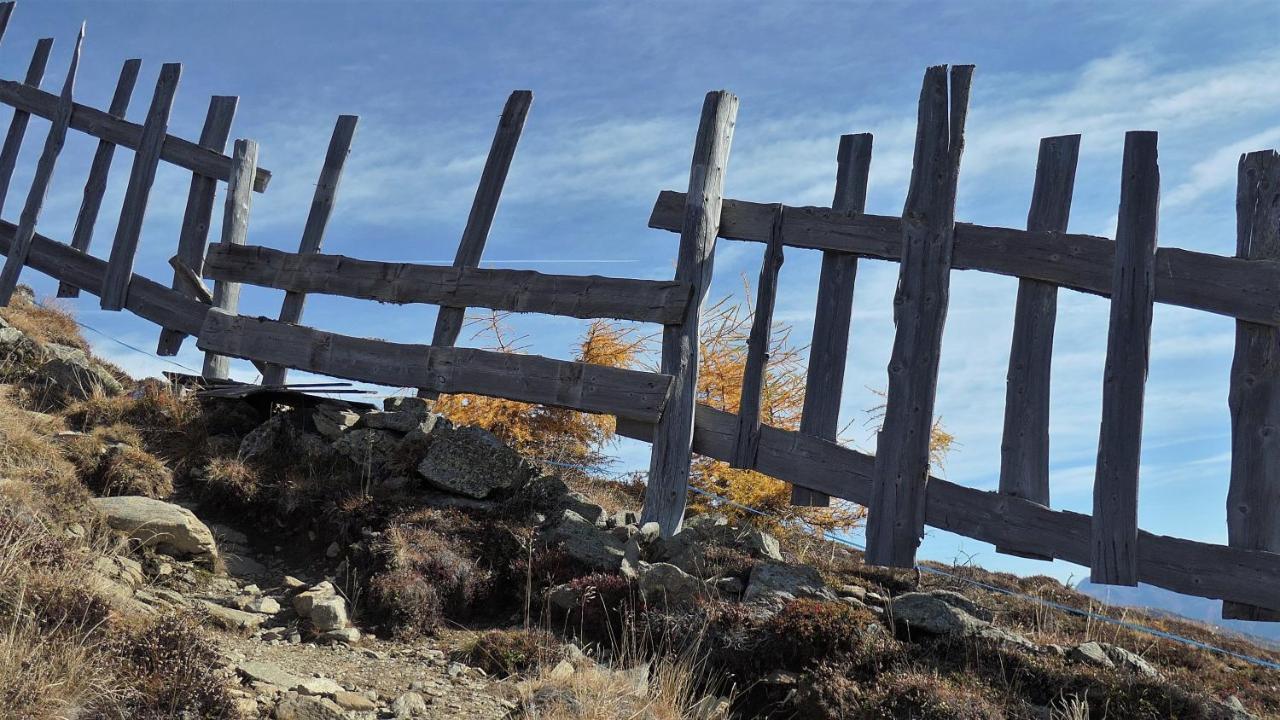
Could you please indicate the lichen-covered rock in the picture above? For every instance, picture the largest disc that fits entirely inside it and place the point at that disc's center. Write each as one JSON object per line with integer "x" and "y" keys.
{"x": 1130, "y": 661}
{"x": 472, "y": 462}
{"x": 585, "y": 542}
{"x": 171, "y": 529}
{"x": 687, "y": 549}
{"x": 331, "y": 421}
{"x": 669, "y": 586}
{"x": 400, "y": 422}
{"x": 370, "y": 449}
{"x": 1090, "y": 653}
{"x": 780, "y": 582}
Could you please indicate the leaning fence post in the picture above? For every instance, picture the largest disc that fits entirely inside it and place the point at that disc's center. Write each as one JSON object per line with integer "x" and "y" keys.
{"x": 21, "y": 118}
{"x": 235, "y": 229}
{"x": 1115, "y": 490}
{"x": 895, "y": 520}
{"x": 747, "y": 444}
{"x": 669, "y": 462}
{"x": 1253, "y": 500}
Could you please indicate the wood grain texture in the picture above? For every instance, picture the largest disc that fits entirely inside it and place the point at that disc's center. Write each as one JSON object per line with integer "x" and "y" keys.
{"x": 96, "y": 184}
{"x": 115, "y": 285}
{"x": 335, "y": 158}
{"x": 39, "y": 191}
{"x": 579, "y": 296}
{"x": 102, "y": 125}
{"x": 669, "y": 461}
{"x": 895, "y": 520}
{"x": 758, "y": 344}
{"x": 1114, "y": 554}
{"x": 526, "y": 378}
{"x": 191, "y": 283}
{"x": 6, "y": 13}
{"x": 1202, "y": 281}
{"x": 1186, "y": 566}
{"x": 829, "y": 347}
{"x": 235, "y": 231}
{"x": 147, "y": 299}
{"x": 21, "y": 118}
{"x": 485, "y": 206}
{"x": 193, "y": 237}
{"x": 1253, "y": 498}
{"x": 1024, "y": 450}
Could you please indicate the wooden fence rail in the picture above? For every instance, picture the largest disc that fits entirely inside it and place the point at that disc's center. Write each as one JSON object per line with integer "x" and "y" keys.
{"x": 661, "y": 407}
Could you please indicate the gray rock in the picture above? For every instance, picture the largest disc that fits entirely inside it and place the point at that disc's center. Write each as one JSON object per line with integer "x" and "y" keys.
{"x": 76, "y": 375}
{"x": 354, "y": 702}
{"x": 331, "y": 421}
{"x": 231, "y": 619}
{"x": 942, "y": 612}
{"x": 346, "y": 635}
{"x": 785, "y": 581}
{"x": 1090, "y": 653}
{"x": 857, "y": 592}
{"x": 626, "y": 517}
{"x": 472, "y": 462}
{"x": 667, "y": 584}
{"x": 1130, "y": 661}
{"x": 419, "y": 407}
{"x": 564, "y": 597}
{"x": 409, "y": 705}
{"x": 264, "y": 605}
{"x": 328, "y": 613}
{"x": 732, "y": 586}
{"x": 687, "y": 549}
{"x": 267, "y": 673}
{"x": 309, "y": 708}
{"x": 370, "y": 449}
{"x": 585, "y": 542}
{"x": 171, "y": 529}
{"x": 400, "y": 422}
{"x": 317, "y": 686}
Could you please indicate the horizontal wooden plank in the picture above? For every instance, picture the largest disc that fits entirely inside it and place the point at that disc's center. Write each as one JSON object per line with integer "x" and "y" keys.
{"x": 119, "y": 131}
{"x": 1186, "y": 566}
{"x": 526, "y": 378}
{"x": 1215, "y": 283}
{"x": 579, "y": 296}
{"x": 147, "y": 299}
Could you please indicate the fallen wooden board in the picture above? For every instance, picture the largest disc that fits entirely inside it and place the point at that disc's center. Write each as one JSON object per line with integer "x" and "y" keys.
{"x": 526, "y": 378}
{"x": 1215, "y": 283}
{"x": 1186, "y": 566}
{"x": 585, "y": 296}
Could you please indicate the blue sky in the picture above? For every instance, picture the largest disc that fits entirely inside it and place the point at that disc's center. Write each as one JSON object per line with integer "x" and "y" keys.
{"x": 618, "y": 87}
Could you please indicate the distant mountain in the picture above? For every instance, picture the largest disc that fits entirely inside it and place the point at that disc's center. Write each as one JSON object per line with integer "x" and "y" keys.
{"x": 1188, "y": 606}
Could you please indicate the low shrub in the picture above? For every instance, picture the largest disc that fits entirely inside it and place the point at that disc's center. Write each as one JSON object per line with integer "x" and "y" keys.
{"x": 808, "y": 631}
{"x": 167, "y": 667}
{"x": 512, "y": 652}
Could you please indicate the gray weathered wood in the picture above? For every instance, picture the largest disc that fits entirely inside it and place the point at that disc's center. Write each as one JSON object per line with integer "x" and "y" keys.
{"x": 235, "y": 231}
{"x": 102, "y": 125}
{"x": 669, "y": 462}
{"x": 483, "y": 208}
{"x": 1203, "y": 281}
{"x": 147, "y": 299}
{"x": 580, "y": 296}
{"x": 1253, "y": 500}
{"x": 829, "y": 348}
{"x": 1186, "y": 566}
{"x": 190, "y": 281}
{"x": 344, "y": 132}
{"x": 1024, "y": 452}
{"x": 115, "y": 285}
{"x": 1114, "y": 554}
{"x": 6, "y": 12}
{"x": 758, "y": 343}
{"x": 527, "y": 378}
{"x": 193, "y": 237}
{"x": 895, "y": 520}
{"x": 96, "y": 185}
{"x": 18, "y": 125}
{"x": 53, "y": 143}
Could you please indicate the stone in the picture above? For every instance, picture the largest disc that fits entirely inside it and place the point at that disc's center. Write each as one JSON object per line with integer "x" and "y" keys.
{"x": 304, "y": 602}
{"x": 561, "y": 672}
{"x": 347, "y": 635}
{"x": 1130, "y": 661}
{"x": 687, "y": 549}
{"x": 332, "y": 421}
{"x": 630, "y": 567}
{"x": 419, "y": 407}
{"x": 370, "y": 449}
{"x": 264, "y": 605}
{"x": 730, "y": 585}
{"x": 76, "y": 375}
{"x": 1090, "y": 653}
{"x": 857, "y": 592}
{"x": 564, "y": 597}
{"x": 171, "y": 529}
{"x": 281, "y": 435}
{"x": 309, "y": 708}
{"x": 930, "y": 613}
{"x": 586, "y": 542}
{"x": 650, "y": 532}
{"x": 354, "y": 702}
{"x": 399, "y": 422}
{"x": 333, "y": 550}
{"x": 231, "y": 619}
{"x": 666, "y": 583}
{"x": 317, "y": 686}
{"x": 408, "y": 705}
{"x": 785, "y": 581}
{"x": 329, "y": 613}
{"x": 472, "y": 462}
{"x": 292, "y": 583}
{"x": 626, "y": 517}
{"x": 267, "y": 673}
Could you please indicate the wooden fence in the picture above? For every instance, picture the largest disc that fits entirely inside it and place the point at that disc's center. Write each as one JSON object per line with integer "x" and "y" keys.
{"x": 926, "y": 241}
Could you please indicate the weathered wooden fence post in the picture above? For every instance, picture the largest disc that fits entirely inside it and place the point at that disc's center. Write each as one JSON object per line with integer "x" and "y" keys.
{"x": 1024, "y": 452}
{"x": 1115, "y": 489}
{"x": 344, "y": 132}
{"x": 669, "y": 463}
{"x": 829, "y": 348}
{"x": 747, "y": 444}
{"x": 21, "y": 118}
{"x": 895, "y": 521}
{"x": 235, "y": 229}
{"x": 1253, "y": 500}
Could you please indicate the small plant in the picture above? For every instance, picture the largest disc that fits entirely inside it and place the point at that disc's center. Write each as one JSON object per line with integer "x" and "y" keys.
{"x": 512, "y": 652}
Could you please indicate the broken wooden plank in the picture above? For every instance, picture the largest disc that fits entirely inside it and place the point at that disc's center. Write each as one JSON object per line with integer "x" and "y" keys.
{"x": 335, "y": 158}
{"x": 580, "y": 296}
{"x": 190, "y": 280}
{"x": 115, "y": 285}
{"x": 829, "y": 346}
{"x": 1024, "y": 450}
{"x": 669, "y": 461}
{"x": 1253, "y": 498}
{"x": 235, "y": 231}
{"x": 758, "y": 344}
{"x": 1202, "y": 281}
{"x": 1114, "y": 554}
{"x": 21, "y": 118}
{"x": 525, "y": 378}
{"x": 193, "y": 237}
{"x": 895, "y": 520}
{"x": 96, "y": 185}
{"x": 102, "y": 125}
{"x": 53, "y": 143}
{"x": 1186, "y": 566}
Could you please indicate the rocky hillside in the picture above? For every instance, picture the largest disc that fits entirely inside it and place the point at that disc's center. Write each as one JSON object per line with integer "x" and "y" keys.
{"x": 164, "y": 555}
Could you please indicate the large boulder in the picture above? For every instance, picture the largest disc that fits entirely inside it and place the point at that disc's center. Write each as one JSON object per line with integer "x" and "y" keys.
{"x": 668, "y": 585}
{"x": 582, "y": 540}
{"x": 781, "y": 582}
{"x": 473, "y": 462}
{"x": 171, "y": 529}
{"x": 946, "y": 613}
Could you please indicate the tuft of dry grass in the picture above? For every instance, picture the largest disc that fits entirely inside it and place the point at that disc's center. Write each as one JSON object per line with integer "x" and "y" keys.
{"x": 47, "y": 322}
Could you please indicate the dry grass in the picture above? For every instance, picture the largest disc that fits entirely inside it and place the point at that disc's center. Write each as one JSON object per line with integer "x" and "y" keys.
{"x": 48, "y": 322}
{"x": 170, "y": 423}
